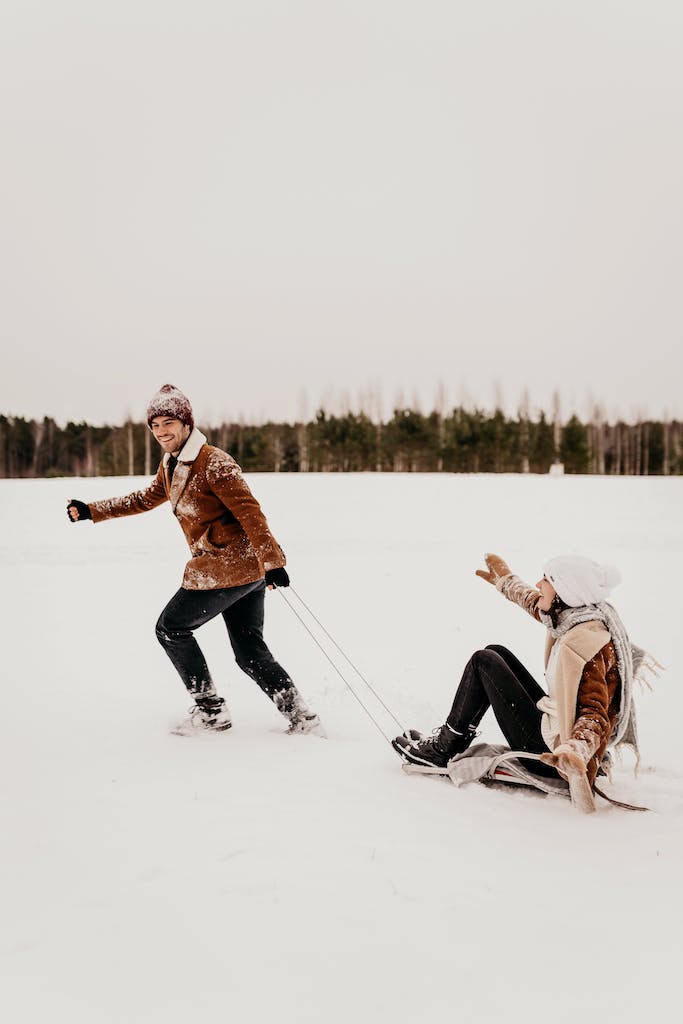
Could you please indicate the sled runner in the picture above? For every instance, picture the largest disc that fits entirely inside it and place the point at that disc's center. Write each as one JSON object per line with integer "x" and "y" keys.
{"x": 489, "y": 763}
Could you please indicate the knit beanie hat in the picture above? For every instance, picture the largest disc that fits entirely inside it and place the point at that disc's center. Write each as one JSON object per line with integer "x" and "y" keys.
{"x": 580, "y": 580}
{"x": 170, "y": 401}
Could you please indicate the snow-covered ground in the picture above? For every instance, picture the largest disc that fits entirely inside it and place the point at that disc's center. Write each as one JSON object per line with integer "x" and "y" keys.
{"x": 253, "y": 876}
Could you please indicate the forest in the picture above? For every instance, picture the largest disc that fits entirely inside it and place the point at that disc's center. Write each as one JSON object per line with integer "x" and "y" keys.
{"x": 460, "y": 441}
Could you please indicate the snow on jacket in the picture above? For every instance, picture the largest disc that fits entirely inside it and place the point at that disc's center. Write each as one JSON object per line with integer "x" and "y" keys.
{"x": 582, "y": 679}
{"x": 226, "y": 530}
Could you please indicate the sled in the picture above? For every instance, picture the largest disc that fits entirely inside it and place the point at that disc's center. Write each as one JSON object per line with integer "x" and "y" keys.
{"x": 489, "y": 763}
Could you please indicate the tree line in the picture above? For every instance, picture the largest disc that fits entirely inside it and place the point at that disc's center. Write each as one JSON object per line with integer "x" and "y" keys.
{"x": 462, "y": 441}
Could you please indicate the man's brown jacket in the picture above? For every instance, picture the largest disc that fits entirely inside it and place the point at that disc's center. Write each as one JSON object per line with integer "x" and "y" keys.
{"x": 226, "y": 530}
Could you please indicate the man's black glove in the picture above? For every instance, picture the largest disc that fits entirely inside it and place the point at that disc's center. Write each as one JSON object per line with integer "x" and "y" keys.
{"x": 81, "y": 508}
{"x": 277, "y": 578}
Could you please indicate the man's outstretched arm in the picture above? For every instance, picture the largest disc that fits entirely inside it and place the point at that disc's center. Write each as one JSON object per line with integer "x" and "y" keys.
{"x": 111, "y": 508}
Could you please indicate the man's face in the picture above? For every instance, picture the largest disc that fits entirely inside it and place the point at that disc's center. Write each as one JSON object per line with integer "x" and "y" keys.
{"x": 171, "y": 434}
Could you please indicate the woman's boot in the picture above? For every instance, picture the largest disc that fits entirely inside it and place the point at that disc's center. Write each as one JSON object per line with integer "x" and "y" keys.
{"x": 435, "y": 750}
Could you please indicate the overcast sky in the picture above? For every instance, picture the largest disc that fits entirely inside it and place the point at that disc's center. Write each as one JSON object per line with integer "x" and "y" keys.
{"x": 273, "y": 204}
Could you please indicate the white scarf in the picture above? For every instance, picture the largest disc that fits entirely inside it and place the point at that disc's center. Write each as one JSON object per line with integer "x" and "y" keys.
{"x": 632, "y": 662}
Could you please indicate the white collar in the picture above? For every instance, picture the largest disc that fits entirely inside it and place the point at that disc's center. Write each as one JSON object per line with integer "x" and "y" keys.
{"x": 191, "y": 448}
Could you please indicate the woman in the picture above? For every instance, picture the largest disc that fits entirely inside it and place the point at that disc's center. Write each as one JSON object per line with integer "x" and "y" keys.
{"x": 589, "y": 671}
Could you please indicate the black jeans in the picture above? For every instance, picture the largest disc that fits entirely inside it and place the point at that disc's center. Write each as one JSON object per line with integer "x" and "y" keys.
{"x": 242, "y": 610}
{"x": 495, "y": 678}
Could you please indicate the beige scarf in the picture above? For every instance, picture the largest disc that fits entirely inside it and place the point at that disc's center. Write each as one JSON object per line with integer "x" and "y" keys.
{"x": 565, "y": 663}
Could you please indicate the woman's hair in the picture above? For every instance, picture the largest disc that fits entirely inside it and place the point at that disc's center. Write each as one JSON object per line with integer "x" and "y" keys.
{"x": 556, "y": 609}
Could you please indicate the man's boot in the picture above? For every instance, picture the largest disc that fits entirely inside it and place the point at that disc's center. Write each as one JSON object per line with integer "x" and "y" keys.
{"x": 209, "y": 714}
{"x": 435, "y": 750}
{"x": 291, "y": 704}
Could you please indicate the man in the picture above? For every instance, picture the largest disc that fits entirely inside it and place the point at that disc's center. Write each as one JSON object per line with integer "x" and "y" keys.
{"x": 234, "y": 558}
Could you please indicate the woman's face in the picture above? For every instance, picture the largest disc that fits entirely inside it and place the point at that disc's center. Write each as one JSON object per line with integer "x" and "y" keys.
{"x": 548, "y": 593}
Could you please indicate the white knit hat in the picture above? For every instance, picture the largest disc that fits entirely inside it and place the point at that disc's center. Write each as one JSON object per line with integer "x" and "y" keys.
{"x": 580, "y": 580}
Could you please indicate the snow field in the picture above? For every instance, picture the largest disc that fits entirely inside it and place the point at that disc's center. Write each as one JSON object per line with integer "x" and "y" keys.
{"x": 258, "y": 876}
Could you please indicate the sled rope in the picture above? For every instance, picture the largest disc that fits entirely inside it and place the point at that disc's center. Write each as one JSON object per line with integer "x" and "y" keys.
{"x": 344, "y": 655}
{"x": 336, "y": 669}
{"x": 537, "y": 757}
{"x": 619, "y": 803}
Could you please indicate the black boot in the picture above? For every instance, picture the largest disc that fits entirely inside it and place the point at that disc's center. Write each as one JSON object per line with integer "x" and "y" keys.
{"x": 435, "y": 750}
{"x": 209, "y": 714}
{"x": 291, "y": 704}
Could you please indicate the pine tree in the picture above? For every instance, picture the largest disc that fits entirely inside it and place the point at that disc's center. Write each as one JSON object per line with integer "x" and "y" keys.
{"x": 574, "y": 446}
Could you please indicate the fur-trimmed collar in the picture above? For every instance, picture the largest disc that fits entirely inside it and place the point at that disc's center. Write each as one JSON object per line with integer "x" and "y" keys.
{"x": 191, "y": 448}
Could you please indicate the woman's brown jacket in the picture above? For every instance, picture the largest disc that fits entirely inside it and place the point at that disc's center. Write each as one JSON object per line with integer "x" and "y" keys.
{"x": 226, "y": 530}
{"x": 588, "y": 679}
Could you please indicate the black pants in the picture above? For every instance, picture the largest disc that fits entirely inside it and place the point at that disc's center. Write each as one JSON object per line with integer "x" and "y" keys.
{"x": 242, "y": 610}
{"x": 495, "y": 678}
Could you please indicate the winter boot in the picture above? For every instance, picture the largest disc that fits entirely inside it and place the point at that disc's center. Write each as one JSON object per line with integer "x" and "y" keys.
{"x": 435, "y": 750}
{"x": 301, "y": 719}
{"x": 209, "y": 714}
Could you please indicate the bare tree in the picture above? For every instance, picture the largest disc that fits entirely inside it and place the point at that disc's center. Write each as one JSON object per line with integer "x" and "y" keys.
{"x": 676, "y": 446}
{"x": 277, "y": 451}
{"x": 666, "y": 444}
{"x": 498, "y": 397}
{"x": 557, "y": 425}
{"x": 38, "y": 433}
{"x": 131, "y": 448}
{"x": 524, "y": 430}
{"x": 91, "y": 459}
{"x": 646, "y": 448}
{"x": 597, "y": 435}
{"x": 616, "y": 447}
{"x": 302, "y": 444}
{"x": 240, "y": 441}
{"x": 440, "y": 405}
